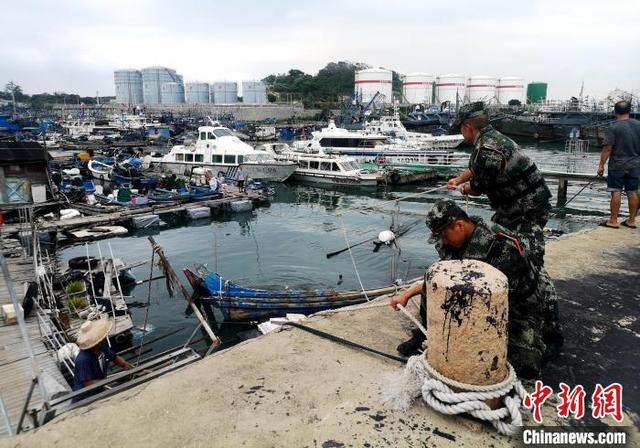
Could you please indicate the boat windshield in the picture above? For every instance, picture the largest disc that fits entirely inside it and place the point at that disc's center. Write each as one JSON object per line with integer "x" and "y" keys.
{"x": 222, "y": 133}
{"x": 350, "y": 165}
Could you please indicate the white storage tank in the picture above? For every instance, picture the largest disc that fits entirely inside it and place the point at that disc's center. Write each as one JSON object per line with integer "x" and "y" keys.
{"x": 128, "y": 86}
{"x": 450, "y": 87}
{"x": 197, "y": 92}
{"x": 254, "y": 92}
{"x": 481, "y": 88}
{"x": 152, "y": 80}
{"x": 172, "y": 93}
{"x": 511, "y": 88}
{"x": 370, "y": 81}
{"x": 224, "y": 92}
{"x": 417, "y": 88}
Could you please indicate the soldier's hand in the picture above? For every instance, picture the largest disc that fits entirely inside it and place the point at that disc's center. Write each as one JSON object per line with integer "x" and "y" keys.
{"x": 396, "y": 300}
{"x": 452, "y": 183}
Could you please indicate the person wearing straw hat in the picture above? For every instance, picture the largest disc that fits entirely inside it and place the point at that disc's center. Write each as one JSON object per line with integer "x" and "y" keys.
{"x": 90, "y": 364}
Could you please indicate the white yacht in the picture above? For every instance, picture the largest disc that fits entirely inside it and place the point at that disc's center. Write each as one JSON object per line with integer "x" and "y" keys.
{"x": 318, "y": 167}
{"x": 370, "y": 146}
{"x": 391, "y": 126}
{"x": 218, "y": 149}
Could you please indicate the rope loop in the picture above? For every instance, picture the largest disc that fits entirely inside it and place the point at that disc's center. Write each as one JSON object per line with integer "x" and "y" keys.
{"x": 438, "y": 392}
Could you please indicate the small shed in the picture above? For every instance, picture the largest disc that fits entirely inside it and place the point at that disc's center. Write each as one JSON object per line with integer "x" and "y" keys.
{"x": 24, "y": 174}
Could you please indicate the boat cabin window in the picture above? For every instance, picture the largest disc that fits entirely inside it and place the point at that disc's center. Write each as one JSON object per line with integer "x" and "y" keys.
{"x": 350, "y": 166}
{"x": 179, "y": 157}
{"x": 216, "y": 158}
{"x": 240, "y": 159}
{"x": 188, "y": 157}
{"x": 347, "y": 143}
{"x": 335, "y": 167}
{"x": 303, "y": 163}
{"x": 210, "y": 136}
{"x": 199, "y": 157}
{"x": 222, "y": 133}
{"x": 203, "y": 136}
{"x": 325, "y": 166}
{"x": 314, "y": 165}
{"x": 230, "y": 158}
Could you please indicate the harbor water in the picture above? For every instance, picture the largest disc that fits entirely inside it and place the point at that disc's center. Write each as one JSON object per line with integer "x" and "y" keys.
{"x": 285, "y": 245}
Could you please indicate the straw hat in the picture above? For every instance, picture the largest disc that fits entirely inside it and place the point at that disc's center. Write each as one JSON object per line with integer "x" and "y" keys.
{"x": 93, "y": 332}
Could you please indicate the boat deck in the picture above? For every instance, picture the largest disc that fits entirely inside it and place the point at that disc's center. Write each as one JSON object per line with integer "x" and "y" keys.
{"x": 15, "y": 364}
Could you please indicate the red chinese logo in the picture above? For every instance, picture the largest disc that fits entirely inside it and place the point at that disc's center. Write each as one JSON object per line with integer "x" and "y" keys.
{"x": 607, "y": 401}
{"x": 571, "y": 401}
{"x": 536, "y": 399}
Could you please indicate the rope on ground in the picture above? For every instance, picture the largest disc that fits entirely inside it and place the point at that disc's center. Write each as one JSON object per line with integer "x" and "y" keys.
{"x": 420, "y": 378}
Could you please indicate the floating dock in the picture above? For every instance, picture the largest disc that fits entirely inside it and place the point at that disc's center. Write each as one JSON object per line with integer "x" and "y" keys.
{"x": 292, "y": 388}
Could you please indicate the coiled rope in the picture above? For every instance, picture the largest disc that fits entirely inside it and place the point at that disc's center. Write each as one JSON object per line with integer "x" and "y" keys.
{"x": 420, "y": 378}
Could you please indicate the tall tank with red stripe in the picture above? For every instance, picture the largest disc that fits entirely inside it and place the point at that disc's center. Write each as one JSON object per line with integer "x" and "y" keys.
{"x": 510, "y": 88}
{"x": 370, "y": 81}
{"x": 450, "y": 87}
{"x": 417, "y": 88}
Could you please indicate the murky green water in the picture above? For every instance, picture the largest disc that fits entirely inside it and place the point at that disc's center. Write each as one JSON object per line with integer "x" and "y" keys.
{"x": 285, "y": 245}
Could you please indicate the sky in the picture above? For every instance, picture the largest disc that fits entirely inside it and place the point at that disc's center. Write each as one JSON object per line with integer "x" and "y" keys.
{"x": 75, "y": 45}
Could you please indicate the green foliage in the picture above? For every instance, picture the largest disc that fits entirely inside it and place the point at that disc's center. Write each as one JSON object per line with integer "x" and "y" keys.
{"x": 77, "y": 303}
{"x": 41, "y": 100}
{"x": 75, "y": 286}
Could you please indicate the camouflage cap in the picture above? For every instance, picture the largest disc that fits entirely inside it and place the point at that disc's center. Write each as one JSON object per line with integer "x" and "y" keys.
{"x": 468, "y": 111}
{"x": 443, "y": 213}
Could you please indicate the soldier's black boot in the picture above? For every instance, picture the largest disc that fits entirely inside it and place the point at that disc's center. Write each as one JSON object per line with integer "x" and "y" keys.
{"x": 413, "y": 345}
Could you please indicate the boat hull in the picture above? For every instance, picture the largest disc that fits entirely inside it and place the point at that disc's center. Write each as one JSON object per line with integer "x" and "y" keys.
{"x": 272, "y": 172}
{"x": 334, "y": 180}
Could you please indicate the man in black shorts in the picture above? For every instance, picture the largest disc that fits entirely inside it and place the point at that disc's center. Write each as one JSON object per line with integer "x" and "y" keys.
{"x": 622, "y": 149}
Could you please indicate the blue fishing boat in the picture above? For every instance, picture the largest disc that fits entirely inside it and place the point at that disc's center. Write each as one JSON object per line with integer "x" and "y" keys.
{"x": 247, "y": 304}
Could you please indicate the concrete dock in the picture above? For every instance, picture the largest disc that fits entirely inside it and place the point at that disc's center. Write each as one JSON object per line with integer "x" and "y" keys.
{"x": 291, "y": 388}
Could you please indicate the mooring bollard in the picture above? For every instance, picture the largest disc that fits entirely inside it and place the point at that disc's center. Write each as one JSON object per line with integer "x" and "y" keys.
{"x": 467, "y": 317}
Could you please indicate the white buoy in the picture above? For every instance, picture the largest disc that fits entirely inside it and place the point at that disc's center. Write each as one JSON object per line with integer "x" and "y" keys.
{"x": 386, "y": 236}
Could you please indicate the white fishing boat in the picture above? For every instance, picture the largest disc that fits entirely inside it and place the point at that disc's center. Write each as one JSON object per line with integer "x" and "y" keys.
{"x": 322, "y": 168}
{"x": 369, "y": 146}
{"x": 219, "y": 150}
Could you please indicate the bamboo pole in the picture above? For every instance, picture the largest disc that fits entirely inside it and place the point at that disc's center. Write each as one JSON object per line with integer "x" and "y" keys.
{"x": 174, "y": 278}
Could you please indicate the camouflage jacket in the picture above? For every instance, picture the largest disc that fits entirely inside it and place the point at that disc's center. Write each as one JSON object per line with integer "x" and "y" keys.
{"x": 511, "y": 181}
{"x": 498, "y": 247}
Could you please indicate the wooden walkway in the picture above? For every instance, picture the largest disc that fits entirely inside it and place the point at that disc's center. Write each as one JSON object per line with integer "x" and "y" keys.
{"x": 119, "y": 214}
{"x": 15, "y": 365}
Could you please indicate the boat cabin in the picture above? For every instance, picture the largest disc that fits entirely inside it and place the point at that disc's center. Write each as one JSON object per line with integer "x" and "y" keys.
{"x": 215, "y": 145}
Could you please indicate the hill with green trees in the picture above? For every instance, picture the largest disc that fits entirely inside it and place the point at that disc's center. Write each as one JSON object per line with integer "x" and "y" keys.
{"x": 39, "y": 100}
{"x": 329, "y": 88}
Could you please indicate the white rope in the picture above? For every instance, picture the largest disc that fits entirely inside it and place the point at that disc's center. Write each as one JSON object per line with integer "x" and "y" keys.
{"x": 353, "y": 261}
{"x": 415, "y": 321}
{"x": 420, "y": 378}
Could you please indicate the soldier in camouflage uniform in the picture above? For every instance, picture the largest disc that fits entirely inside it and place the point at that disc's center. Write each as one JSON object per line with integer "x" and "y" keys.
{"x": 534, "y": 331}
{"x": 501, "y": 170}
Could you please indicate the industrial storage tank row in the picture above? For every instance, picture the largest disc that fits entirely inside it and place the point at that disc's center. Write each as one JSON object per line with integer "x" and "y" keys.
{"x": 421, "y": 88}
